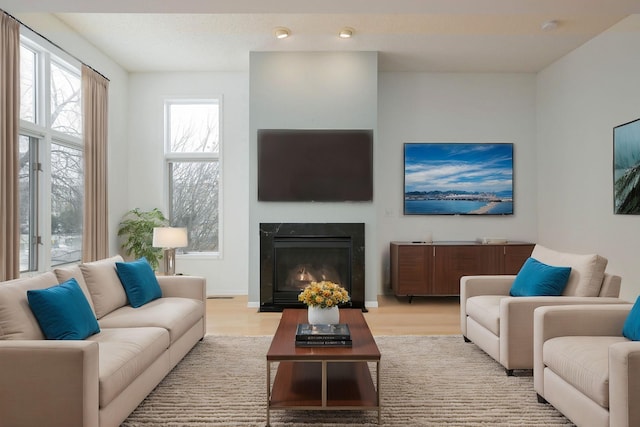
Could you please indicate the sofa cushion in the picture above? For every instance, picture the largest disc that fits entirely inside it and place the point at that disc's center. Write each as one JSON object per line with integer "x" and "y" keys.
{"x": 123, "y": 354}
{"x": 73, "y": 272}
{"x": 538, "y": 279}
{"x": 17, "y": 321}
{"x": 177, "y": 315}
{"x": 583, "y": 362}
{"x": 587, "y": 271}
{"x": 104, "y": 285}
{"x": 631, "y": 328}
{"x": 63, "y": 311}
{"x": 139, "y": 281}
{"x": 485, "y": 309}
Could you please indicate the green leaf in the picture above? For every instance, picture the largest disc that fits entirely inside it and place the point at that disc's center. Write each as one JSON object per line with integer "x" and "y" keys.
{"x": 136, "y": 229}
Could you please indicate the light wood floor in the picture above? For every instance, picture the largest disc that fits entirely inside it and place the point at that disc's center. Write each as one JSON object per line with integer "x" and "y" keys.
{"x": 393, "y": 316}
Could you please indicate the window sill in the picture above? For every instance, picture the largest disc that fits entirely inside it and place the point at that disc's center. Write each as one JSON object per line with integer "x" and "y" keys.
{"x": 199, "y": 255}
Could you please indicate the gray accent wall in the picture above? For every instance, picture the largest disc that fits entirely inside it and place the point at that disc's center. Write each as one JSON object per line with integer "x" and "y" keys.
{"x": 312, "y": 90}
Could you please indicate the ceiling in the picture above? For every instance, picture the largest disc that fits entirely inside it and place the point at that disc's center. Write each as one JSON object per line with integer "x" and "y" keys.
{"x": 410, "y": 35}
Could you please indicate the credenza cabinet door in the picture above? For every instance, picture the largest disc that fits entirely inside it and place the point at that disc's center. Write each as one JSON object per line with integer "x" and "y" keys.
{"x": 411, "y": 269}
{"x": 452, "y": 262}
{"x": 514, "y": 257}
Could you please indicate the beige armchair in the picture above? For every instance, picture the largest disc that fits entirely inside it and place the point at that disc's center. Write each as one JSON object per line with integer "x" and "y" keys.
{"x": 584, "y": 367}
{"x": 502, "y": 325}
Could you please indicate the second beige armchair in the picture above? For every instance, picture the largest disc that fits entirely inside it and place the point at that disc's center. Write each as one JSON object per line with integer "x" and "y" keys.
{"x": 585, "y": 367}
{"x": 502, "y": 325}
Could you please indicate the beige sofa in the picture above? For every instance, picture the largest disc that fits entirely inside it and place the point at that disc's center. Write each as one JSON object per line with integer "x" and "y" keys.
{"x": 584, "y": 366}
{"x": 502, "y": 325}
{"x": 98, "y": 381}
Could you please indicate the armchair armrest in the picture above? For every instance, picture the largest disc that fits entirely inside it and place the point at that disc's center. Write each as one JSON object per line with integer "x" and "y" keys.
{"x": 194, "y": 287}
{"x": 471, "y": 286}
{"x": 575, "y": 320}
{"x": 62, "y": 376}
{"x": 624, "y": 383}
{"x": 517, "y": 320}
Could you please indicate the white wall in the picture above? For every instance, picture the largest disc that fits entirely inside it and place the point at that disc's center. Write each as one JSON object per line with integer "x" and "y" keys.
{"x": 57, "y": 32}
{"x": 227, "y": 275}
{"x": 580, "y": 99}
{"x": 428, "y": 107}
{"x": 311, "y": 90}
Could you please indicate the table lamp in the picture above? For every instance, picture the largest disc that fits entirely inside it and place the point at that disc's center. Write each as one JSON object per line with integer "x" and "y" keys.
{"x": 169, "y": 238}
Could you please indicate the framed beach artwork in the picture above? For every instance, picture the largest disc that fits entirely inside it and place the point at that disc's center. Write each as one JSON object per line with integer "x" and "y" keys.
{"x": 626, "y": 168}
{"x": 458, "y": 178}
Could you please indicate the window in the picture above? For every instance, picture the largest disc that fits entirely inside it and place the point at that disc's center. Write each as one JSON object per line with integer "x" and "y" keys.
{"x": 192, "y": 154}
{"x": 51, "y": 179}
{"x": 66, "y": 203}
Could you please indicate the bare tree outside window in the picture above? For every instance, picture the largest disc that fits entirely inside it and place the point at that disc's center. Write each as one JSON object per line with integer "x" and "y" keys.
{"x": 194, "y": 202}
{"x": 194, "y": 171}
{"x": 66, "y": 204}
{"x": 66, "y": 114}
{"x": 194, "y": 128}
{"x": 27, "y": 84}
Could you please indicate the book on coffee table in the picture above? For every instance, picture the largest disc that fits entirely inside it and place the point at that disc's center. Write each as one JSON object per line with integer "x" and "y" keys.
{"x": 335, "y": 332}
{"x": 324, "y": 343}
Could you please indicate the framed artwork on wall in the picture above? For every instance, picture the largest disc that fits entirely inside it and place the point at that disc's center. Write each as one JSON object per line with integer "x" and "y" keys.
{"x": 626, "y": 168}
{"x": 458, "y": 178}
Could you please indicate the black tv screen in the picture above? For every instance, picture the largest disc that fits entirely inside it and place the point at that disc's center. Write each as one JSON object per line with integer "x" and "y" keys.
{"x": 315, "y": 165}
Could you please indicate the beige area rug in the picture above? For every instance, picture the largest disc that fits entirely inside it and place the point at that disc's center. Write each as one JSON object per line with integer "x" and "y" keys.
{"x": 425, "y": 381}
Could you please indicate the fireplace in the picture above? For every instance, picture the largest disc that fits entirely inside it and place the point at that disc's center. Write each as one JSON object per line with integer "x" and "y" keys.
{"x": 292, "y": 255}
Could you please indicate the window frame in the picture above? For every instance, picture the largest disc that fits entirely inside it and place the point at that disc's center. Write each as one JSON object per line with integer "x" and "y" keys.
{"x": 41, "y": 130}
{"x": 173, "y": 157}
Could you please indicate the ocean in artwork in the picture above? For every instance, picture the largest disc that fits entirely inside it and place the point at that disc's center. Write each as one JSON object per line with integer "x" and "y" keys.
{"x": 456, "y": 207}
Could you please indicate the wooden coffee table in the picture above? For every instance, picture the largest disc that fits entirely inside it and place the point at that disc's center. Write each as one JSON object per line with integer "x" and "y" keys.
{"x": 318, "y": 378}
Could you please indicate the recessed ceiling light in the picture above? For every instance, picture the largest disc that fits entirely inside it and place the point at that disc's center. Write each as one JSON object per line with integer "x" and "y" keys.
{"x": 282, "y": 32}
{"x": 549, "y": 25}
{"x": 346, "y": 33}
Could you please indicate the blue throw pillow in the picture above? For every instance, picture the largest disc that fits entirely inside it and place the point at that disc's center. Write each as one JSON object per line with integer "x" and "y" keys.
{"x": 139, "y": 281}
{"x": 63, "y": 312}
{"x": 538, "y": 279}
{"x": 631, "y": 328}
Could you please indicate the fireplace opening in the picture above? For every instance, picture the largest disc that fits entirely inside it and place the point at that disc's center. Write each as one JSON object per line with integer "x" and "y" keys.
{"x": 299, "y": 261}
{"x": 292, "y": 255}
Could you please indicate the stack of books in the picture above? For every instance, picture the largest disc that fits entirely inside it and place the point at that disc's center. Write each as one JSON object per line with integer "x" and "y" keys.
{"x": 337, "y": 335}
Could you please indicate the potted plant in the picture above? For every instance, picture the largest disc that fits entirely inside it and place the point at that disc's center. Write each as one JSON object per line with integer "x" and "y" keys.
{"x": 136, "y": 230}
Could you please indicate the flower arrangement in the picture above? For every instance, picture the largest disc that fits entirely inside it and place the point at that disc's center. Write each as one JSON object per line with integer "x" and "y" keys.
{"x": 323, "y": 294}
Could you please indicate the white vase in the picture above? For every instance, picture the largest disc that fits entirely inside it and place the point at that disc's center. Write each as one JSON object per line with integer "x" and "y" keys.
{"x": 323, "y": 316}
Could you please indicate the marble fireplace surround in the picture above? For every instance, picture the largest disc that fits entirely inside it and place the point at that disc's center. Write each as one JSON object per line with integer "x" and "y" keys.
{"x": 268, "y": 231}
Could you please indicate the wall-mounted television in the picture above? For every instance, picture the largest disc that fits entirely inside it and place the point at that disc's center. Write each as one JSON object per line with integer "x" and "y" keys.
{"x": 305, "y": 165}
{"x": 458, "y": 179}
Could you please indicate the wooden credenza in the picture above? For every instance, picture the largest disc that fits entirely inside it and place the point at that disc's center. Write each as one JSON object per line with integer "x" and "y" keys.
{"x": 436, "y": 268}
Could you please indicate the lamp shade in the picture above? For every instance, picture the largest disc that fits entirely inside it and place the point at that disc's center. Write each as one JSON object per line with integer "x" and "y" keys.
{"x": 170, "y": 237}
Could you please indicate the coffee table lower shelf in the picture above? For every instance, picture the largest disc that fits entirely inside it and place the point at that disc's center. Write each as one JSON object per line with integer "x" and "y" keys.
{"x": 323, "y": 385}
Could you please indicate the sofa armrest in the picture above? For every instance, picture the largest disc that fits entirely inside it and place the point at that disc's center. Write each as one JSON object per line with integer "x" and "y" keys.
{"x": 516, "y": 325}
{"x": 60, "y": 376}
{"x": 575, "y": 320}
{"x": 471, "y": 286}
{"x": 194, "y": 287}
{"x": 610, "y": 285}
{"x": 624, "y": 383}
